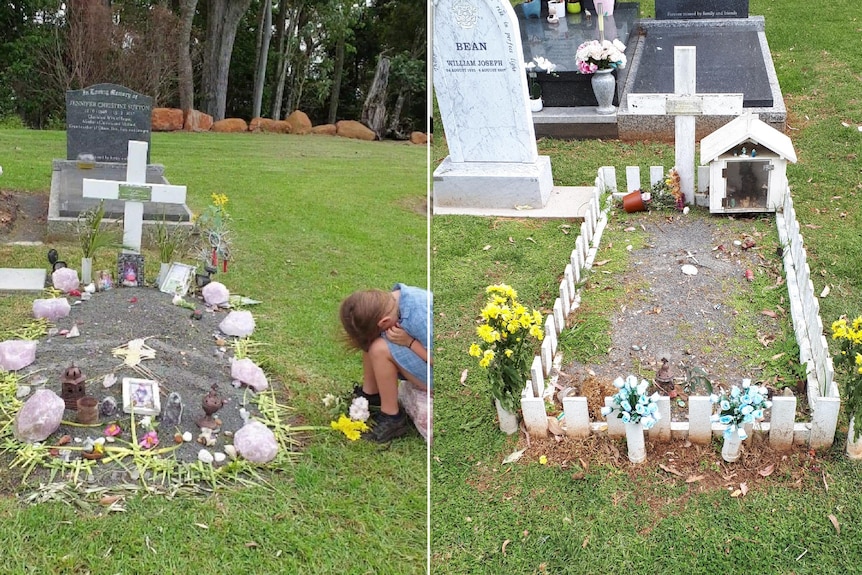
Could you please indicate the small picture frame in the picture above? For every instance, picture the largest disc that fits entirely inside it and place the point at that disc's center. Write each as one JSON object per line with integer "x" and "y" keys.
{"x": 178, "y": 280}
{"x": 130, "y": 270}
{"x": 141, "y": 396}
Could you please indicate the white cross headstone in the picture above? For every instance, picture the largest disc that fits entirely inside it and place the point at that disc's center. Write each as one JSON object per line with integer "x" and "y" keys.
{"x": 685, "y": 104}
{"x": 134, "y": 191}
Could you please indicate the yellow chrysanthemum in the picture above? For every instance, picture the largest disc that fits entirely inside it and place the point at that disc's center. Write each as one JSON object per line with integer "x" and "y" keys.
{"x": 350, "y": 428}
{"x": 475, "y": 350}
{"x": 537, "y": 332}
{"x": 487, "y": 358}
{"x": 486, "y": 333}
{"x": 509, "y": 353}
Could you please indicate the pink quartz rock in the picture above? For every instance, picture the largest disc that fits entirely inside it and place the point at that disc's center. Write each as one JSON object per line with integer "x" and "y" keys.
{"x": 215, "y": 293}
{"x": 39, "y": 417}
{"x": 238, "y": 324}
{"x": 65, "y": 279}
{"x": 16, "y": 354}
{"x": 249, "y": 373}
{"x": 52, "y": 308}
{"x": 255, "y": 442}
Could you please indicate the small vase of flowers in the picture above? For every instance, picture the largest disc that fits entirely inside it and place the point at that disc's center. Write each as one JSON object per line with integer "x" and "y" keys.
{"x": 637, "y": 410}
{"x": 506, "y": 331}
{"x": 737, "y": 409}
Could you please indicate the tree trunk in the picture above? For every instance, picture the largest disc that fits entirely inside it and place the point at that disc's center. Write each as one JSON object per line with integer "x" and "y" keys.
{"x": 264, "y": 35}
{"x": 395, "y": 117}
{"x": 284, "y": 44}
{"x": 223, "y": 17}
{"x": 185, "y": 73}
{"x": 336, "y": 80}
{"x": 374, "y": 108}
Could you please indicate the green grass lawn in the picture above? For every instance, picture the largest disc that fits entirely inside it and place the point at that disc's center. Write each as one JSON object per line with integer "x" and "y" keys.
{"x": 531, "y": 518}
{"x": 315, "y": 218}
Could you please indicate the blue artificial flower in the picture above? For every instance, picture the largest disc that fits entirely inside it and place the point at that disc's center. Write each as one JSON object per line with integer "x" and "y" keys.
{"x": 746, "y": 383}
{"x": 725, "y": 405}
{"x": 758, "y": 414}
{"x": 648, "y": 422}
{"x": 642, "y": 387}
{"x": 626, "y": 417}
{"x": 742, "y": 434}
{"x": 606, "y": 411}
{"x": 746, "y": 409}
{"x": 713, "y": 398}
{"x": 734, "y": 392}
{"x": 625, "y": 405}
{"x": 618, "y": 383}
{"x": 725, "y": 419}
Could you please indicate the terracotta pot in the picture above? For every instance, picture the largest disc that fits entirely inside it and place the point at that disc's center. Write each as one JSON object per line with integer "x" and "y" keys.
{"x": 88, "y": 410}
{"x": 633, "y": 202}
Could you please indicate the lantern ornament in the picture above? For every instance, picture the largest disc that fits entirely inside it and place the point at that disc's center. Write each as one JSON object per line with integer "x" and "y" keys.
{"x": 73, "y": 386}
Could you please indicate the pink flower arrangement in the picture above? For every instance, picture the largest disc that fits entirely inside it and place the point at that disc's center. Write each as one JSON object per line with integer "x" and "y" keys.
{"x": 113, "y": 430}
{"x": 594, "y": 55}
{"x": 149, "y": 440}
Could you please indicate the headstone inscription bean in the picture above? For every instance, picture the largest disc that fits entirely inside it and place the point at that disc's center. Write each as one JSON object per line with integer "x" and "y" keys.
{"x": 102, "y": 119}
{"x": 482, "y": 92}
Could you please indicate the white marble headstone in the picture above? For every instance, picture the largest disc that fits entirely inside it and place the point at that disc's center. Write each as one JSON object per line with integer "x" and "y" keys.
{"x": 480, "y": 82}
{"x": 481, "y": 87}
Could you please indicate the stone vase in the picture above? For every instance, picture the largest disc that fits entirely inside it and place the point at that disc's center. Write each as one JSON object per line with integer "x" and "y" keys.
{"x": 86, "y": 270}
{"x": 854, "y": 448}
{"x": 730, "y": 449}
{"x": 508, "y": 420}
{"x": 604, "y": 85}
{"x": 635, "y": 442}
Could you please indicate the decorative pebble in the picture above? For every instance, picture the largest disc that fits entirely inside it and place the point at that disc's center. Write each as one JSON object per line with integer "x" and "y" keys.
{"x": 689, "y": 270}
{"x": 86, "y": 296}
{"x": 219, "y": 456}
{"x": 110, "y": 439}
{"x": 737, "y": 242}
{"x": 91, "y": 288}
{"x": 230, "y": 450}
{"x": 205, "y": 456}
{"x": 636, "y": 348}
{"x": 109, "y": 380}
{"x": 228, "y": 433}
{"x": 187, "y": 436}
{"x": 22, "y": 391}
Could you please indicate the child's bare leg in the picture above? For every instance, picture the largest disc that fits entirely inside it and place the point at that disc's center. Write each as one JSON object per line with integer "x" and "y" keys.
{"x": 369, "y": 383}
{"x": 385, "y": 375}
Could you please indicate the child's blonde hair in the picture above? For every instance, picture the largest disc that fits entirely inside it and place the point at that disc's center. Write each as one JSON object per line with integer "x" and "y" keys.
{"x": 360, "y": 315}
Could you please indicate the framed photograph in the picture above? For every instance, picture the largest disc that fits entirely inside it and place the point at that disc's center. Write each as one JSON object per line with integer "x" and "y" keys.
{"x": 130, "y": 270}
{"x": 141, "y": 396}
{"x": 178, "y": 279}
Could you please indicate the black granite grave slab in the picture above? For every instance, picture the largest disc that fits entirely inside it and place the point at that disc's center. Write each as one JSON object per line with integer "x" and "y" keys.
{"x": 700, "y": 9}
{"x": 101, "y": 119}
{"x": 71, "y": 202}
{"x": 729, "y": 60}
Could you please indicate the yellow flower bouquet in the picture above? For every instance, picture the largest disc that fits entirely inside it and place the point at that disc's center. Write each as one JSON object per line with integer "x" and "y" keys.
{"x": 504, "y": 350}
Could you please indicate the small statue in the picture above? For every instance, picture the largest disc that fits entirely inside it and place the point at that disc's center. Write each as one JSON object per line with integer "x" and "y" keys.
{"x": 211, "y": 403}
{"x": 664, "y": 375}
{"x": 105, "y": 281}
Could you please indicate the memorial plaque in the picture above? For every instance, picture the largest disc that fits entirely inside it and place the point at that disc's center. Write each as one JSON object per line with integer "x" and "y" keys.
{"x": 700, "y": 9}
{"x": 101, "y": 119}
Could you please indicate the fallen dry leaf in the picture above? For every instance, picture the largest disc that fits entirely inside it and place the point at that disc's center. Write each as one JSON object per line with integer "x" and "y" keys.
{"x": 629, "y": 229}
{"x": 554, "y": 426}
{"x": 586, "y": 542}
{"x": 514, "y": 456}
{"x": 463, "y": 376}
{"x": 670, "y": 470}
{"x": 813, "y": 226}
{"x": 584, "y": 465}
{"x": 487, "y": 247}
{"x": 695, "y": 478}
{"x": 601, "y": 263}
{"x": 736, "y": 493}
{"x": 529, "y": 239}
{"x": 511, "y": 241}
{"x": 769, "y": 313}
{"x": 776, "y": 356}
{"x": 767, "y": 471}
{"x": 744, "y": 488}
{"x": 252, "y": 544}
{"x": 109, "y": 499}
{"x": 505, "y": 544}
{"x": 825, "y": 291}
{"x": 834, "y": 521}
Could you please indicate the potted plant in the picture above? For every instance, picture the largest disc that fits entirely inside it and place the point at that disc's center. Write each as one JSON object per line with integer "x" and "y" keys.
{"x": 638, "y": 411}
{"x": 505, "y": 350}
{"x": 169, "y": 240}
{"x": 93, "y": 237}
{"x": 737, "y": 409}
{"x": 849, "y": 362}
{"x": 535, "y": 88}
{"x": 212, "y": 227}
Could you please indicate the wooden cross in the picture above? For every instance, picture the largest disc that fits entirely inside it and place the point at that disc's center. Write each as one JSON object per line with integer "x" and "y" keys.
{"x": 685, "y": 104}
{"x": 134, "y": 191}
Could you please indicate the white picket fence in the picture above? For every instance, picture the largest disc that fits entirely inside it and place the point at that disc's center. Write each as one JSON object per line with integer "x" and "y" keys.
{"x": 783, "y": 430}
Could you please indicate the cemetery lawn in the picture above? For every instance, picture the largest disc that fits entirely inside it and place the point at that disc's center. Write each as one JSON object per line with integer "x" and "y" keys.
{"x": 532, "y": 518}
{"x": 315, "y": 218}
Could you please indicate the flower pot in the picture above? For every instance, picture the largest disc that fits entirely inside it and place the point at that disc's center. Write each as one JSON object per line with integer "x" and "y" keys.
{"x": 536, "y": 104}
{"x": 508, "y": 420}
{"x": 854, "y": 448}
{"x": 634, "y": 202}
{"x": 635, "y": 442}
{"x": 532, "y": 9}
{"x": 88, "y": 410}
{"x": 86, "y": 270}
{"x": 730, "y": 449}
{"x": 604, "y": 85}
{"x": 573, "y": 7}
{"x": 556, "y": 8}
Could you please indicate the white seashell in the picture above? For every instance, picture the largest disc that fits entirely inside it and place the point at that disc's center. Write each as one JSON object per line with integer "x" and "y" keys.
{"x": 689, "y": 270}
{"x": 205, "y": 456}
{"x": 219, "y": 456}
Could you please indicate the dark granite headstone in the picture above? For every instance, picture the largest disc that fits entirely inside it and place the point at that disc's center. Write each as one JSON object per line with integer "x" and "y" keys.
{"x": 700, "y": 9}
{"x": 728, "y": 61}
{"x": 101, "y": 119}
